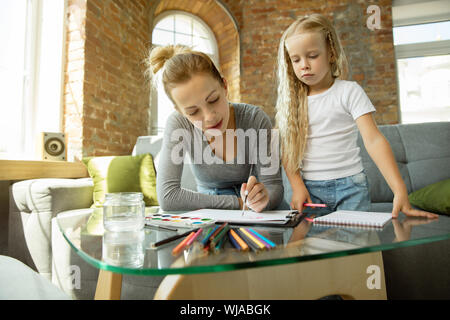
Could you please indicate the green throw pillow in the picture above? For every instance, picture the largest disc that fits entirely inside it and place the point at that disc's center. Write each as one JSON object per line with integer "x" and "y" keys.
{"x": 123, "y": 174}
{"x": 435, "y": 197}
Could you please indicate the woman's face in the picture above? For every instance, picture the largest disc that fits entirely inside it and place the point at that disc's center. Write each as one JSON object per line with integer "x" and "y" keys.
{"x": 203, "y": 101}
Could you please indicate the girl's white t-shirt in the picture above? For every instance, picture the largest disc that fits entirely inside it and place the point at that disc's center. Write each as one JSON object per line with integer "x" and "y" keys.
{"x": 331, "y": 150}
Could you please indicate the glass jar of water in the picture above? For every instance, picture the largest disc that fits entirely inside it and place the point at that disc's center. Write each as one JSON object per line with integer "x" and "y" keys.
{"x": 124, "y": 212}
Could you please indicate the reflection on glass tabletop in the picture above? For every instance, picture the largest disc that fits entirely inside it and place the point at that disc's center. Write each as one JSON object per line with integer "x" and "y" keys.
{"x": 307, "y": 241}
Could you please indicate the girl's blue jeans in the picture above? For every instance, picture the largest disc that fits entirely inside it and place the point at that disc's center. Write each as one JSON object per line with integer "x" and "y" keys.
{"x": 349, "y": 193}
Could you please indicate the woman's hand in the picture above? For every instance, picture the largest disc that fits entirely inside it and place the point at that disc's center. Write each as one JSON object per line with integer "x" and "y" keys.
{"x": 300, "y": 195}
{"x": 258, "y": 196}
{"x": 401, "y": 203}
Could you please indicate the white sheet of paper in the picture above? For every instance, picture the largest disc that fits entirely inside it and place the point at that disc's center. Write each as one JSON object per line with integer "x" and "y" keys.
{"x": 235, "y": 216}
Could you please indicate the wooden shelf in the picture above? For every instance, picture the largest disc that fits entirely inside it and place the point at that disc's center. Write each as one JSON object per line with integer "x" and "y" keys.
{"x": 24, "y": 169}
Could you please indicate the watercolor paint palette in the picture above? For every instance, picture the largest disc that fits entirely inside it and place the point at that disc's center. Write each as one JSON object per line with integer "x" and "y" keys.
{"x": 173, "y": 220}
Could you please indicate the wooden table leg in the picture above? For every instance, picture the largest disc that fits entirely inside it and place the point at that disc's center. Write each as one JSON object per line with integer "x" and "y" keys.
{"x": 109, "y": 285}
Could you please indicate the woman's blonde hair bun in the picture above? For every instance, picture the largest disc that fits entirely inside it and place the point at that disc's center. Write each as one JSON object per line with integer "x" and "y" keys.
{"x": 160, "y": 55}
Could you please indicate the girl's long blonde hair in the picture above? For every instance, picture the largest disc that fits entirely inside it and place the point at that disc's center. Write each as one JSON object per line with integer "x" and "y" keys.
{"x": 292, "y": 101}
{"x": 178, "y": 63}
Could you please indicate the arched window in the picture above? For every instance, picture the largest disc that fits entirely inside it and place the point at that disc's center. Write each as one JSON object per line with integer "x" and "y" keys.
{"x": 177, "y": 27}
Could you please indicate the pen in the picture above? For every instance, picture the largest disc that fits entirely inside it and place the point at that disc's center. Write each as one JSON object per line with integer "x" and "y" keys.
{"x": 176, "y": 237}
{"x": 246, "y": 192}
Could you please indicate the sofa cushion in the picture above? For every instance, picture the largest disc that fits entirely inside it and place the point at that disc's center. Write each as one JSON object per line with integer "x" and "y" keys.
{"x": 152, "y": 145}
{"x": 434, "y": 198}
{"x": 427, "y": 152}
{"x": 379, "y": 189}
{"x": 123, "y": 174}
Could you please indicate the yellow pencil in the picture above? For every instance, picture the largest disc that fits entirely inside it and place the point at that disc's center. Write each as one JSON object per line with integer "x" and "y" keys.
{"x": 257, "y": 242}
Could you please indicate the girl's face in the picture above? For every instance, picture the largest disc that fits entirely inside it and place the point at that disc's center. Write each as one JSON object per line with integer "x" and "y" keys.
{"x": 203, "y": 101}
{"x": 311, "y": 60}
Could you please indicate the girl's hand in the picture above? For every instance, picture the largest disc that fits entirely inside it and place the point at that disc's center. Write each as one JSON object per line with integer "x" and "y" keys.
{"x": 401, "y": 203}
{"x": 299, "y": 197}
{"x": 258, "y": 196}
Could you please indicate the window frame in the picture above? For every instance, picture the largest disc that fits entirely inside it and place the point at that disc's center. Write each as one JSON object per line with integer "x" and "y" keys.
{"x": 155, "y": 128}
{"x": 33, "y": 88}
{"x": 422, "y": 49}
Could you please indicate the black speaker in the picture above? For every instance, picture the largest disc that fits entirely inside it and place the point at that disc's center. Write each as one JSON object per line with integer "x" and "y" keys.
{"x": 53, "y": 146}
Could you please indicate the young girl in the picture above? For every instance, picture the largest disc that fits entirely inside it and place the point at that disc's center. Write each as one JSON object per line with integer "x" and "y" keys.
{"x": 208, "y": 125}
{"x": 318, "y": 116}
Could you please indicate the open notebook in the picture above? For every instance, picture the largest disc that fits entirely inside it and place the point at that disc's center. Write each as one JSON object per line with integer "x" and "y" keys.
{"x": 355, "y": 218}
{"x": 274, "y": 217}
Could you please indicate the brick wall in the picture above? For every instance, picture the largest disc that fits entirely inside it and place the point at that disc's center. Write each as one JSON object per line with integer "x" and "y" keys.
{"x": 110, "y": 107}
{"x": 370, "y": 53}
{"x": 107, "y": 95}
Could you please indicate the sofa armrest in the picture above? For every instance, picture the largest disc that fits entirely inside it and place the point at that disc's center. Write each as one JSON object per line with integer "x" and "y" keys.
{"x": 33, "y": 204}
{"x": 52, "y": 195}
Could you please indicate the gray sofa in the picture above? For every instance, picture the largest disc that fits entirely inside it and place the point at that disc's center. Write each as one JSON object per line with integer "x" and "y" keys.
{"x": 422, "y": 152}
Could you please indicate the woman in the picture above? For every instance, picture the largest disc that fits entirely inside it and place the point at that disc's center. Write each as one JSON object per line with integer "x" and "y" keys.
{"x": 229, "y": 144}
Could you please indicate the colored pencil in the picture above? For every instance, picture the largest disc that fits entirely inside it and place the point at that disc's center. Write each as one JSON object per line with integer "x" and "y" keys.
{"x": 247, "y": 240}
{"x": 199, "y": 231}
{"x": 262, "y": 238}
{"x": 219, "y": 236}
{"x": 233, "y": 241}
{"x": 315, "y": 205}
{"x": 205, "y": 240}
{"x": 220, "y": 243}
{"x": 267, "y": 245}
{"x": 242, "y": 244}
{"x": 175, "y": 237}
{"x": 252, "y": 238}
{"x": 182, "y": 244}
{"x": 218, "y": 230}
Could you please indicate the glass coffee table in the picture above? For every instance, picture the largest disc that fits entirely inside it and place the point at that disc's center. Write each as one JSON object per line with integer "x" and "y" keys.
{"x": 309, "y": 261}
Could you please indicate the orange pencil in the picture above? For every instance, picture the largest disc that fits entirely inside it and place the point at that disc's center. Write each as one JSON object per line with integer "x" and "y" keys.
{"x": 241, "y": 242}
{"x": 182, "y": 244}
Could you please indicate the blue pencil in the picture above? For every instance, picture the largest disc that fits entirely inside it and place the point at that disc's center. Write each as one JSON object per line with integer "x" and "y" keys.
{"x": 234, "y": 242}
{"x": 262, "y": 238}
{"x": 206, "y": 238}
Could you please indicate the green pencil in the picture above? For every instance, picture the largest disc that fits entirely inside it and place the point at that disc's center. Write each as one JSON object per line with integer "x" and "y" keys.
{"x": 219, "y": 236}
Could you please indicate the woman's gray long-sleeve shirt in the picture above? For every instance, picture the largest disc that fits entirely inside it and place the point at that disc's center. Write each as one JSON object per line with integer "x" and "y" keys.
{"x": 254, "y": 136}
